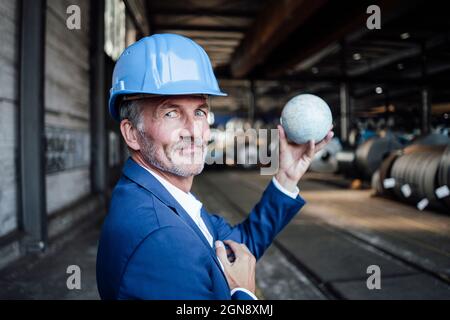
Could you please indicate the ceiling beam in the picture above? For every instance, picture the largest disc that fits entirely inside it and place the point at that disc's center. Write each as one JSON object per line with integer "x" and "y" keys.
{"x": 202, "y": 12}
{"x": 398, "y": 56}
{"x": 273, "y": 25}
{"x": 349, "y": 26}
{"x": 309, "y": 62}
{"x": 208, "y": 34}
{"x": 136, "y": 9}
{"x": 432, "y": 70}
{"x": 374, "y": 80}
{"x": 217, "y": 42}
{"x": 188, "y": 27}
{"x": 201, "y": 20}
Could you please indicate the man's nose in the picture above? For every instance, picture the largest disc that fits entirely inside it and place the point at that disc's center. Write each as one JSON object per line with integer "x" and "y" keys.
{"x": 193, "y": 128}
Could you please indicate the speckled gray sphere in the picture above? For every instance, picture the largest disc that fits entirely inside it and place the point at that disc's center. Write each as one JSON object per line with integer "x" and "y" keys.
{"x": 306, "y": 117}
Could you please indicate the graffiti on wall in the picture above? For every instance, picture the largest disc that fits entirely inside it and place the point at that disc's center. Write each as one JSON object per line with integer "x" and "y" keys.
{"x": 66, "y": 149}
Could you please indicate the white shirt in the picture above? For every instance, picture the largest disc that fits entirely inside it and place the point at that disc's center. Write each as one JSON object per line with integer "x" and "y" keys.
{"x": 188, "y": 202}
{"x": 193, "y": 207}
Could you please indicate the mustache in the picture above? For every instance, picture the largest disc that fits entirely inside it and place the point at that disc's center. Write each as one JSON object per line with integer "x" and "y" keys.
{"x": 188, "y": 141}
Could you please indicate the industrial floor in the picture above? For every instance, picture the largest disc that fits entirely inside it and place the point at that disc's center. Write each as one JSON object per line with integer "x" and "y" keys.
{"x": 323, "y": 253}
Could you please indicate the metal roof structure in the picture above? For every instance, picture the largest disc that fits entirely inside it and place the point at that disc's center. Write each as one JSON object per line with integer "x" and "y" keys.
{"x": 287, "y": 47}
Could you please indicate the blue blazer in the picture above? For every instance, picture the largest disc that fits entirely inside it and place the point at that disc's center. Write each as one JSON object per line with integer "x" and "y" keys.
{"x": 150, "y": 248}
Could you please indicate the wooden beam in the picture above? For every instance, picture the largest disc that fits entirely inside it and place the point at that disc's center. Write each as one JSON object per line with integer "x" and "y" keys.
{"x": 201, "y": 12}
{"x": 217, "y": 42}
{"x": 219, "y": 49}
{"x": 272, "y": 26}
{"x": 137, "y": 8}
{"x": 191, "y": 33}
{"x": 187, "y": 27}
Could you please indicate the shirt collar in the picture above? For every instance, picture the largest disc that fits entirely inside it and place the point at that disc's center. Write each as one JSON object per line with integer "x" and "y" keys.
{"x": 187, "y": 200}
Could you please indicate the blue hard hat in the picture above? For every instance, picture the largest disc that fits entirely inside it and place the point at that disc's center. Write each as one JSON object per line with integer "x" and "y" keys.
{"x": 162, "y": 64}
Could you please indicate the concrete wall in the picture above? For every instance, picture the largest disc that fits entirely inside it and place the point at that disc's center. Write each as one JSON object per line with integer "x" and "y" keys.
{"x": 9, "y": 106}
{"x": 67, "y": 106}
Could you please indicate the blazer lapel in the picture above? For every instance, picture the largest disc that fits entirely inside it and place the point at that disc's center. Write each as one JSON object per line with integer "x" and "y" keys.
{"x": 205, "y": 217}
{"x": 145, "y": 179}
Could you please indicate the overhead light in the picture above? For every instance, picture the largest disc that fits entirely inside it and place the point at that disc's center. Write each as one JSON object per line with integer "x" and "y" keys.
{"x": 379, "y": 90}
{"x": 356, "y": 56}
{"x": 400, "y": 66}
{"x": 315, "y": 70}
{"x": 405, "y": 35}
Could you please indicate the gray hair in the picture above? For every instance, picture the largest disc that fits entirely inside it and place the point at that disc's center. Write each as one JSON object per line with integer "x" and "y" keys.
{"x": 131, "y": 110}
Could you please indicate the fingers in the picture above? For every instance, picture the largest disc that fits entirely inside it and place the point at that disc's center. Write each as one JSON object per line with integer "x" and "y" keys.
{"x": 281, "y": 130}
{"x": 325, "y": 141}
{"x": 221, "y": 252}
{"x": 238, "y": 248}
{"x": 311, "y": 149}
{"x": 235, "y": 247}
{"x": 283, "y": 139}
{"x": 245, "y": 248}
{"x": 240, "y": 273}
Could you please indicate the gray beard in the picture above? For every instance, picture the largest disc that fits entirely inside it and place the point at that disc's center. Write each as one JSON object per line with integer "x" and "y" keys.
{"x": 149, "y": 153}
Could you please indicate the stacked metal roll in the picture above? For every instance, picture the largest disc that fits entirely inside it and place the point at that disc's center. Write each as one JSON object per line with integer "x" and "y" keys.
{"x": 444, "y": 175}
{"x": 418, "y": 174}
{"x": 325, "y": 160}
{"x": 371, "y": 154}
{"x": 346, "y": 162}
{"x": 417, "y": 170}
{"x": 383, "y": 174}
{"x": 376, "y": 184}
{"x": 432, "y": 139}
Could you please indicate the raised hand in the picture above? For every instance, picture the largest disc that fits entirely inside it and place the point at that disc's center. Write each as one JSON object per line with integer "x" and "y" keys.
{"x": 295, "y": 159}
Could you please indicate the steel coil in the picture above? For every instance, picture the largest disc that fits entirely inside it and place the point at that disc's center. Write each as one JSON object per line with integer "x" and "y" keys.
{"x": 371, "y": 154}
{"x": 346, "y": 162}
{"x": 417, "y": 167}
{"x": 377, "y": 184}
{"x": 432, "y": 139}
{"x": 444, "y": 173}
{"x": 385, "y": 172}
{"x": 325, "y": 160}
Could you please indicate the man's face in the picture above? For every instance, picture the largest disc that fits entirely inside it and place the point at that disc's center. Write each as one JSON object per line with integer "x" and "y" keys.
{"x": 175, "y": 133}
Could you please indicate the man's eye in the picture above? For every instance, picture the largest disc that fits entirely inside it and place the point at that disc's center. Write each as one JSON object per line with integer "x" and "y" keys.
{"x": 171, "y": 114}
{"x": 200, "y": 112}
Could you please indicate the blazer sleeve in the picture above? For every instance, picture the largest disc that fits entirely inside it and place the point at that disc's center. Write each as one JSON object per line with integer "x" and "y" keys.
{"x": 242, "y": 294}
{"x": 162, "y": 272}
{"x": 269, "y": 216}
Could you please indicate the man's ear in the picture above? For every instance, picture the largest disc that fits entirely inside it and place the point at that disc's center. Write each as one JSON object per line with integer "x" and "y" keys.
{"x": 130, "y": 134}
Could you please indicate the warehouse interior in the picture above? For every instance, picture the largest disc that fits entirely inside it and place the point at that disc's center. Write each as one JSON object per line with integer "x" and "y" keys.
{"x": 377, "y": 195}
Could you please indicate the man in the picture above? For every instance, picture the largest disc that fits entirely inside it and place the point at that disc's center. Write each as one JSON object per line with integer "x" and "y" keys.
{"x": 157, "y": 241}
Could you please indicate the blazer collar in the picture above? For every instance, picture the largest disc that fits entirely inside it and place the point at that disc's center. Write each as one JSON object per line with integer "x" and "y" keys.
{"x": 146, "y": 180}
